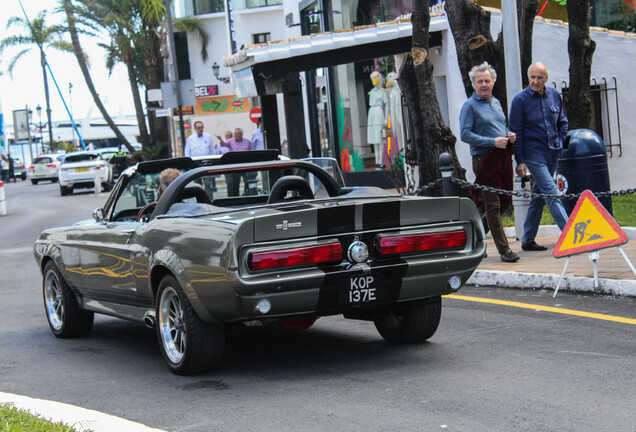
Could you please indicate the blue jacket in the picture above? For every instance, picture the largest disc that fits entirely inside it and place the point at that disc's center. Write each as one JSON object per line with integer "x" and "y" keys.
{"x": 482, "y": 121}
{"x": 540, "y": 124}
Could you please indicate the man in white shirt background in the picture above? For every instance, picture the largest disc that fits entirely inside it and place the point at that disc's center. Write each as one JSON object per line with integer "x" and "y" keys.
{"x": 199, "y": 143}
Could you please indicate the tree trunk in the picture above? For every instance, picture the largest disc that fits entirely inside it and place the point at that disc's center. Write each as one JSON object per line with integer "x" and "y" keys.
{"x": 48, "y": 99}
{"x": 581, "y": 49}
{"x": 470, "y": 25}
{"x": 526, "y": 12}
{"x": 81, "y": 60}
{"x": 159, "y": 133}
{"x": 431, "y": 137}
{"x": 139, "y": 109}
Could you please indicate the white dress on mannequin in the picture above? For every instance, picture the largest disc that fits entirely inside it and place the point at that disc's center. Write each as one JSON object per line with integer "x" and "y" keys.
{"x": 377, "y": 115}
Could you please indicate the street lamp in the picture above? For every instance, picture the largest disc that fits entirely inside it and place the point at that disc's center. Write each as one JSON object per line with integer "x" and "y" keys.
{"x": 39, "y": 111}
{"x": 215, "y": 71}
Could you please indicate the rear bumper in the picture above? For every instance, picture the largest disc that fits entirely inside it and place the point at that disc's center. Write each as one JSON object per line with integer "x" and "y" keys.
{"x": 320, "y": 294}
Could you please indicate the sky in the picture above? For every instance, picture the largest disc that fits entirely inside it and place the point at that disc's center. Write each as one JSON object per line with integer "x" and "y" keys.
{"x": 26, "y": 87}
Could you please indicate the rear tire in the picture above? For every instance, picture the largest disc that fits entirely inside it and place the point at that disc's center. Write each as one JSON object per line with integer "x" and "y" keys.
{"x": 34, "y": 181}
{"x": 23, "y": 176}
{"x": 188, "y": 344}
{"x": 415, "y": 321}
{"x": 66, "y": 319}
{"x": 65, "y": 190}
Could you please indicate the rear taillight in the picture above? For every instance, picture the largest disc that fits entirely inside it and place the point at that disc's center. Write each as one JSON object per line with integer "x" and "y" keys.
{"x": 393, "y": 245}
{"x": 32, "y": 168}
{"x": 50, "y": 165}
{"x": 319, "y": 254}
{"x": 98, "y": 167}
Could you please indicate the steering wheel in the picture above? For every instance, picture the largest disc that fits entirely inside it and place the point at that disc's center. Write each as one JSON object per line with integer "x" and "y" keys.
{"x": 146, "y": 211}
{"x": 298, "y": 186}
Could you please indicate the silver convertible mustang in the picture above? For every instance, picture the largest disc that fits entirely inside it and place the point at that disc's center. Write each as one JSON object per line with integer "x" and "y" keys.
{"x": 249, "y": 238}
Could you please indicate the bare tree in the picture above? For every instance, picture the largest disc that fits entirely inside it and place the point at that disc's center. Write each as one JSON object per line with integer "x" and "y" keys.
{"x": 581, "y": 49}
{"x": 431, "y": 136}
{"x": 470, "y": 25}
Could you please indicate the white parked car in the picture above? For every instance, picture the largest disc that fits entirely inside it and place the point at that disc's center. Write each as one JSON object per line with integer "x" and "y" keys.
{"x": 45, "y": 167}
{"x": 80, "y": 170}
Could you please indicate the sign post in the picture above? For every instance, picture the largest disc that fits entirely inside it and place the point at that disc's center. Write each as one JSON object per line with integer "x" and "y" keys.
{"x": 589, "y": 229}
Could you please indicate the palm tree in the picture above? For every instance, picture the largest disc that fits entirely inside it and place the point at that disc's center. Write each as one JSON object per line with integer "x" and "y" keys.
{"x": 68, "y": 8}
{"x": 136, "y": 37}
{"x": 36, "y": 33}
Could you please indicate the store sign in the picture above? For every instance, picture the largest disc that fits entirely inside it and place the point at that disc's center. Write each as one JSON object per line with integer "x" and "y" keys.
{"x": 186, "y": 110}
{"x": 204, "y": 91}
{"x": 221, "y": 105}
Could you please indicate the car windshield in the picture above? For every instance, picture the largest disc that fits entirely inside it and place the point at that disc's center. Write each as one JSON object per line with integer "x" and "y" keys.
{"x": 82, "y": 157}
{"x": 222, "y": 191}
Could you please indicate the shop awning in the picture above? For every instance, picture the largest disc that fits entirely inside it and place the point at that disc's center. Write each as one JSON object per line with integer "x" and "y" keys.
{"x": 330, "y": 49}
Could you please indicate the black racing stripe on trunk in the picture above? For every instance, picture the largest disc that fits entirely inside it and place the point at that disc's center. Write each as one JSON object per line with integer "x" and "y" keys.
{"x": 336, "y": 219}
{"x": 381, "y": 215}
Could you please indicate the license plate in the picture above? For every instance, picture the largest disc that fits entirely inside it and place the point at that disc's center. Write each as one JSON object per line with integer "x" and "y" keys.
{"x": 362, "y": 289}
{"x": 82, "y": 169}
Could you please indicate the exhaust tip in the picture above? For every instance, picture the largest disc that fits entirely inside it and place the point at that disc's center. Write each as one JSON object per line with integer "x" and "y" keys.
{"x": 149, "y": 319}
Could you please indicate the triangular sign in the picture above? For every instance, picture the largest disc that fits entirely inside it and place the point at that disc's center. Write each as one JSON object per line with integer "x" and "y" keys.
{"x": 589, "y": 228}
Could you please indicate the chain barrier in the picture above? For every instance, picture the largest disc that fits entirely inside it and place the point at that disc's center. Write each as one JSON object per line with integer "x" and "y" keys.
{"x": 525, "y": 194}
{"x": 425, "y": 188}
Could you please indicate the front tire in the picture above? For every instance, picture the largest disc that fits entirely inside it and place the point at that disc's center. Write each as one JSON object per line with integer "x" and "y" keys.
{"x": 66, "y": 319}
{"x": 415, "y": 321}
{"x": 188, "y": 344}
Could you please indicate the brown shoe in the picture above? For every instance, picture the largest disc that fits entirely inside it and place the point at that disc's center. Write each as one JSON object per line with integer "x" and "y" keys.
{"x": 509, "y": 256}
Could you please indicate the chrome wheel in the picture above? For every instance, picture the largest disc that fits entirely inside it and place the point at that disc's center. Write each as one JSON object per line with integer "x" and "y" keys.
{"x": 172, "y": 328}
{"x": 53, "y": 301}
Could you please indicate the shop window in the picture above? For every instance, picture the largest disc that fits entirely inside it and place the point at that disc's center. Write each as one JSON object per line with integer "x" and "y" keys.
{"x": 260, "y": 38}
{"x": 208, "y": 6}
{"x": 262, "y": 3}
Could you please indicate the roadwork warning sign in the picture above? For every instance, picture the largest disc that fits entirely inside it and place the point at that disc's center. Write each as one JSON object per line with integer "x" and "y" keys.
{"x": 589, "y": 228}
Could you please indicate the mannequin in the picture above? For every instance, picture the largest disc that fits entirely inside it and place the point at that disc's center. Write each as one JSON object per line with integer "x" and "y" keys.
{"x": 395, "y": 113}
{"x": 377, "y": 116}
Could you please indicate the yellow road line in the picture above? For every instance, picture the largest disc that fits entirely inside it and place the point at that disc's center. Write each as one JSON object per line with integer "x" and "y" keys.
{"x": 545, "y": 308}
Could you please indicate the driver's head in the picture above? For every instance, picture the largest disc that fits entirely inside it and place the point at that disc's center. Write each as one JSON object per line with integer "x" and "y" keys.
{"x": 167, "y": 176}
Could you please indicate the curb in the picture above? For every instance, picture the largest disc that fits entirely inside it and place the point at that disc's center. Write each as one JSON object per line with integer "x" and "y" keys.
{"x": 554, "y": 231}
{"x": 549, "y": 281}
{"x": 81, "y": 419}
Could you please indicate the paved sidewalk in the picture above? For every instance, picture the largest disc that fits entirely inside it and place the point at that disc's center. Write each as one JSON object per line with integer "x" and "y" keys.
{"x": 540, "y": 270}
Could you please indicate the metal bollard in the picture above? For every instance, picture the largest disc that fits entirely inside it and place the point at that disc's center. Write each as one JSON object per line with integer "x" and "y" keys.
{"x": 446, "y": 167}
{"x": 98, "y": 183}
{"x": 3, "y": 202}
{"x": 520, "y": 204}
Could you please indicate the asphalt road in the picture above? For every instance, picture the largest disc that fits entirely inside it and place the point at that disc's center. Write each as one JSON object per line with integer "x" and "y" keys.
{"x": 490, "y": 367}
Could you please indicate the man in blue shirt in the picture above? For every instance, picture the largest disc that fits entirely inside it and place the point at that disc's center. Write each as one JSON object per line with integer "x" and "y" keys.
{"x": 483, "y": 126}
{"x": 537, "y": 117}
{"x": 258, "y": 143}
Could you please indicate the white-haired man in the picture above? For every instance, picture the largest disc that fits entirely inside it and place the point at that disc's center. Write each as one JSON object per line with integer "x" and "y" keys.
{"x": 538, "y": 119}
{"x": 483, "y": 126}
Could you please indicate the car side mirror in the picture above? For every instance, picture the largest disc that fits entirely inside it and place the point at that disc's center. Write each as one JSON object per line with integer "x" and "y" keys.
{"x": 98, "y": 214}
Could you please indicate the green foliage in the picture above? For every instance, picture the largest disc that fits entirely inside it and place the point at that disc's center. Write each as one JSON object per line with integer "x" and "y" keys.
{"x": 626, "y": 18}
{"x": 15, "y": 420}
{"x": 624, "y": 208}
{"x": 152, "y": 152}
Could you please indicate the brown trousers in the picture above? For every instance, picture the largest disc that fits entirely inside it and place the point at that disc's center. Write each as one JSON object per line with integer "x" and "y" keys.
{"x": 491, "y": 212}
